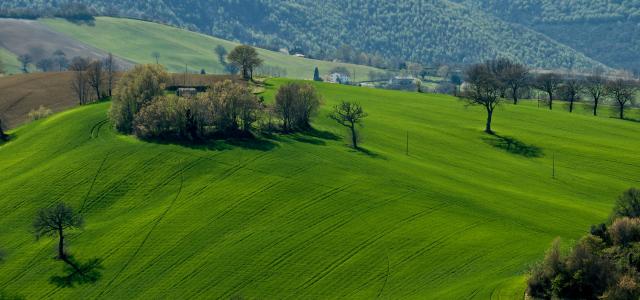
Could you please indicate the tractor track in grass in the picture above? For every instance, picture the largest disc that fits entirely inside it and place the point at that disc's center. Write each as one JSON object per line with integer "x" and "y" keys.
{"x": 125, "y": 178}
{"x": 277, "y": 262}
{"x": 364, "y": 244}
{"x": 441, "y": 239}
{"x": 187, "y": 236}
{"x": 264, "y": 188}
{"x": 93, "y": 182}
{"x": 95, "y": 130}
{"x": 25, "y": 269}
{"x": 155, "y": 224}
{"x": 386, "y": 278}
{"x": 372, "y": 240}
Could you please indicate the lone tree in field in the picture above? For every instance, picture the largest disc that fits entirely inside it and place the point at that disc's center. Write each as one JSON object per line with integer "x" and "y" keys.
{"x": 25, "y": 60}
{"x": 596, "y": 87}
{"x": 95, "y": 77}
{"x": 53, "y": 221}
{"x": 622, "y": 92}
{"x": 570, "y": 90}
{"x": 483, "y": 89}
{"x": 246, "y": 58}
{"x": 548, "y": 83}
{"x": 349, "y": 114}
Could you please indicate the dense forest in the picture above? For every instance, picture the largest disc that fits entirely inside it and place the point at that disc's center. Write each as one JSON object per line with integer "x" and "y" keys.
{"x": 608, "y": 31}
{"x": 541, "y": 33}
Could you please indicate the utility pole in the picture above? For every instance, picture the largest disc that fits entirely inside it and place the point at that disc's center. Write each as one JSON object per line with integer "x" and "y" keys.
{"x": 554, "y": 166}
{"x": 407, "y": 150}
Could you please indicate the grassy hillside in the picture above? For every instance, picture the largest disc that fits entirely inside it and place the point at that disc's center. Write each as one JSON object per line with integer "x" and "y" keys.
{"x": 305, "y": 216}
{"x": 135, "y": 41}
{"x": 10, "y": 62}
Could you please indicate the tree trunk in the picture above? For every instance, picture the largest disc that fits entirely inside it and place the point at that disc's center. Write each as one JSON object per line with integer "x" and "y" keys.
{"x": 514, "y": 94}
{"x": 595, "y": 107}
{"x": 489, "y": 116}
{"x": 61, "y": 254}
{"x": 622, "y": 112}
{"x": 571, "y": 106}
{"x": 550, "y": 101}
{"x": 354, "y": 138}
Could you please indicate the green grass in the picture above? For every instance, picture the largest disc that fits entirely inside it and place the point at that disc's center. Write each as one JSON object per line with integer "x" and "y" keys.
{"x": 135, "y": 41}
{"x": 303, "y": 216}
{"x": 9, "y": 62}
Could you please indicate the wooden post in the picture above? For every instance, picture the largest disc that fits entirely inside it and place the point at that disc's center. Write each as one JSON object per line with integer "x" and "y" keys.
{"x": 407, "y": 150}
{"x": 554, "y": 166}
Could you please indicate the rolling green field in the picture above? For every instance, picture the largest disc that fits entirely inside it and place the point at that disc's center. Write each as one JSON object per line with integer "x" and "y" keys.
{"x": 303, "y": 216}
{"x": 9, "y": 62}
{"x": 136, "y": 40}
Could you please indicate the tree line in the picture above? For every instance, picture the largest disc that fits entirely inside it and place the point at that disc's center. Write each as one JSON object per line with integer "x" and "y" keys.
{"x": 93, "y": 79}
{"x": 227, "y": 109}
{"x": 605, "y": 264}
{"x": 489, "y": 83}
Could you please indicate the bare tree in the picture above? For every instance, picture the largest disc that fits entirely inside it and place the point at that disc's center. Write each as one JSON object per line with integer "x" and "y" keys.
{"x": 549, "y": 83}
{"x": 349, "y": 114}
{"x": 110, "y": 69}
{"x": 54, "y": 221}
{"x": 515, "y": 77}
{"x": 156, "y": 56}
{"x": 596, "y": 87}
{"x": 60, "y": 60}
{"x": 95, "y": 76}
{"x": 45, "y": 64}
{"x": 570, "y": 90}
{"x": 25, "y": 60}
{"x": 80, "y": 82}
{"x": 297, "y": 103}
{"x": 483, "y": 89}
{"x": 622, "y": 92}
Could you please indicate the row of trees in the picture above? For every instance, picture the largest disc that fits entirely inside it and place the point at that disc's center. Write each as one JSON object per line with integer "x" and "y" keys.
{"x": 603, "y": 265}
{"x": 57, "y": 61}
{"x": 488, "y": 83}
{"x": 93, "y": 79}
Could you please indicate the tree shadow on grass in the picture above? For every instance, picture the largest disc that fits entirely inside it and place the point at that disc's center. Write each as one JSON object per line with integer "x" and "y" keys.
{"x": 321, "y": 134}
{"x": 309, "y": 140}
{"x": 253, "y": 143}
{"x": 367, "y": 152}
{"x": 78, "y": 273}
{"x": 260, "y": 144}
{"x": 7, "y": 139}
{"x": 514, "y": 146}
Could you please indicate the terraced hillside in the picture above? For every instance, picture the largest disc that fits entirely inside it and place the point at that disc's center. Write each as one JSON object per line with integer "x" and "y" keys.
{"x": 135, "y": 41}
{"x": 304, "y": 216}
